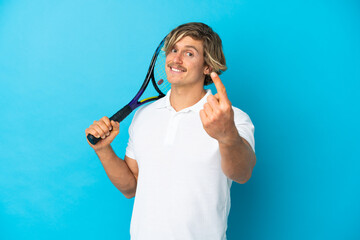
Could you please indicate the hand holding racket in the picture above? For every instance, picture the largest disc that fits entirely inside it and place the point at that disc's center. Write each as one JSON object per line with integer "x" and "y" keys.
{"x": 157, "y": 75}
{"x": 104, "y": 130}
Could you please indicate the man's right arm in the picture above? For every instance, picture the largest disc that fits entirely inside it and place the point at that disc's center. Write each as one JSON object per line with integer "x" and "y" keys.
{"x": 122, "y": 173}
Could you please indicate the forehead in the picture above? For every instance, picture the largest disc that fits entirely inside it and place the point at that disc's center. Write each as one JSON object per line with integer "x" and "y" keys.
{"x": 190, "y": 42}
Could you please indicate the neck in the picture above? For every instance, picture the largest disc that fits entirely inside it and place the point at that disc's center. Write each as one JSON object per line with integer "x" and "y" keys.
{"x": 181, "y": 98}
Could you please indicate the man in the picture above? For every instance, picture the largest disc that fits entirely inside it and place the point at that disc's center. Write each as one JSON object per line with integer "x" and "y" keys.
{"x": 185, "y": 149}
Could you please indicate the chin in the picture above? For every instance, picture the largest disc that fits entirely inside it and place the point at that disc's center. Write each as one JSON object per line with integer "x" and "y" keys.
{"x": 174, "y": 80}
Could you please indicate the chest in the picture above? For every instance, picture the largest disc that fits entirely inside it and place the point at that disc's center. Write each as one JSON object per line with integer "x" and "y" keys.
{"x": 175, "y": 140}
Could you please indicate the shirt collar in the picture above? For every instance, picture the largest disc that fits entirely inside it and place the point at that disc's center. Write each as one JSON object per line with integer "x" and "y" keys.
{"x": 165, "y": 102}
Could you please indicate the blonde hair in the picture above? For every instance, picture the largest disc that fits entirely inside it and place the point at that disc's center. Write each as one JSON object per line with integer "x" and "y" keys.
{"x": 213, "y": 53}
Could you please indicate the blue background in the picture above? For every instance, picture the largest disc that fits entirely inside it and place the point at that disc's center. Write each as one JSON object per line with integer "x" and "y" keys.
{"x": 293, "y": 66}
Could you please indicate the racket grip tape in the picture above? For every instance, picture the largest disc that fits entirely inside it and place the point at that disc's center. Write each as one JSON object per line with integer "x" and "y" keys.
{"x": 119, "y": 116}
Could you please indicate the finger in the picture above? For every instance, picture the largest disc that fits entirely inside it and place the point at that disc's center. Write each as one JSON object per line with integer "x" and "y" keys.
{"x": 104, "y": 127}
{"x": 115, "y": 125}
{"x": 203, "y": 117}
{"x": 95, "y": 131}
{"x": 92, "y": 131}
{"x": 101, "y": 130}
{"x": 115, "y": 130}
{"x": 208, "y": 109}
{"x": 106, "y": 120}
{"x": 219, "y": 86}
{"x": 214, "y": 103}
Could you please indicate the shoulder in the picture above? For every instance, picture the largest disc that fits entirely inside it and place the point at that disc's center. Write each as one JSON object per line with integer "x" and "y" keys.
{"x": 144, "y": 111}
{"x": 244, "y": 126}
{"x": 240, "y": 115}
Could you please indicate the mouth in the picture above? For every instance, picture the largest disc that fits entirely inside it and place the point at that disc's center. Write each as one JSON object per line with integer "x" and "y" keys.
{"x": 176, "y": 69}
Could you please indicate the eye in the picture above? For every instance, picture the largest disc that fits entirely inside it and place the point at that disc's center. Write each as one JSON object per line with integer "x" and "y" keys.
{"x": 173, "y": 50}
{"x": 189, "y": 54}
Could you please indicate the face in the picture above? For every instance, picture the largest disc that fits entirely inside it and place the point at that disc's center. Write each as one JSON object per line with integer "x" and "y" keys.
{"x": 185, "y": 63}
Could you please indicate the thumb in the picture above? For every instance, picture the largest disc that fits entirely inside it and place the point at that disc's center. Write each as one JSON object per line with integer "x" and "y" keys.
{"x": 115, "y": 127}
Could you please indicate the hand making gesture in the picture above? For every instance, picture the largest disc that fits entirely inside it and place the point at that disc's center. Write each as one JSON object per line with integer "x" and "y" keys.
{"x": 217, "y": 116}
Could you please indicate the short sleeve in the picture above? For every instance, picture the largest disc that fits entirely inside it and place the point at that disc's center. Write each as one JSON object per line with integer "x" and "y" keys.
{"x": 131, "y": 146}
{"x": 130, "y": 149}
{"x": 244, "y": 126}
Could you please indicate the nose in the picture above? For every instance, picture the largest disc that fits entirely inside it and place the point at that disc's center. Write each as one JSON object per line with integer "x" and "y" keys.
{"x": 177, "y": 58}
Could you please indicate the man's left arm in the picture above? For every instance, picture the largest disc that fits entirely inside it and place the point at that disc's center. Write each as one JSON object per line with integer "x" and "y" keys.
{"x": 237, "y": 157}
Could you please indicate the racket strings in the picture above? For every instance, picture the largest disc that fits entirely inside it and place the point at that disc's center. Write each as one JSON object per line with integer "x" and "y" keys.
{"x": 160, "y": 74}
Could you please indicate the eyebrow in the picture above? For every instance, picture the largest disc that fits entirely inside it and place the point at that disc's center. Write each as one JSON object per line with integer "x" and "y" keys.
{"x": 189, "y": 46}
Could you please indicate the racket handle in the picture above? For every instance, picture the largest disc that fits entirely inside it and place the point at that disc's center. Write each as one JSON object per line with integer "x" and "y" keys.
{"x": 119, "y": 116}
{"x": 93, "y": 140}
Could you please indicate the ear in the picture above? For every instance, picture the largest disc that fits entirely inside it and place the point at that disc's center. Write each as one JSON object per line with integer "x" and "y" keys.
{"x": 207, "y": 70}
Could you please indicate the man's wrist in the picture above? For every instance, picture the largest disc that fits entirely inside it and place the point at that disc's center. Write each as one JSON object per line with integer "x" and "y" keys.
{"x": 232, "y": 138}
{"x": 104, "y": 150}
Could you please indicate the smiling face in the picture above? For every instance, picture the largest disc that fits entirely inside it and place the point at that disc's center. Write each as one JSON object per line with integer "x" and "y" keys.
{"x": 185, "y": 65}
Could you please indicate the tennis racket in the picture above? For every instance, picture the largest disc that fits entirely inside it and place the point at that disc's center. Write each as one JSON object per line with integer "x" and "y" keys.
{"x": 157, "y": 75}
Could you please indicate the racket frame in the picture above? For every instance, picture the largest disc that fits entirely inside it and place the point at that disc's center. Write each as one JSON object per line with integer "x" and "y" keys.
{"x": 134, "y": 103}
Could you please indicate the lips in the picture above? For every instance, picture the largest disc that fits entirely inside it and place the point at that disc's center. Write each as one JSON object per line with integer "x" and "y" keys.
{"x": 176, "y": 68}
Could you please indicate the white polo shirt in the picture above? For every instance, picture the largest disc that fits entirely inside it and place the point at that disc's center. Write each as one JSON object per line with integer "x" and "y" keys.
{"x": 182, "y": 192}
